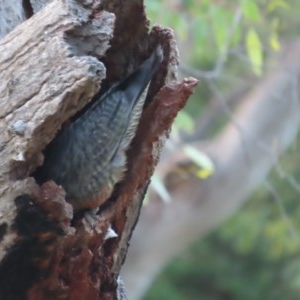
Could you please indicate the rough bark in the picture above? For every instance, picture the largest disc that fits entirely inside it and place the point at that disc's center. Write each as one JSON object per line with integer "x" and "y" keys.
{"x": 263, "y": 126}
{"x": 40, "y": 77}
{"x": 50, "y": 70}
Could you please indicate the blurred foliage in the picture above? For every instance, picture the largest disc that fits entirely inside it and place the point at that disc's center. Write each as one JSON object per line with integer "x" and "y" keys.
{"x": 225, "y": 37}
{"x": 202, "y": 165}
{"x": 255, "y": 255}
{"x": 212, "y": 27}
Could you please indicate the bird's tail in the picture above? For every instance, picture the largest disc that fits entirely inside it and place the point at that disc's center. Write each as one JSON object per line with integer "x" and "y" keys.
{"x": 135, "y": 84}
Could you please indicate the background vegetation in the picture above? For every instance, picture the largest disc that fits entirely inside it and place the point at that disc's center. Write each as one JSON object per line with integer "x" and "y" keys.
{"x": 229, "y": 45}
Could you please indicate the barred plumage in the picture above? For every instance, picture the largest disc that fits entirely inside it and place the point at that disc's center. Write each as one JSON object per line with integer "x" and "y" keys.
{"x": 87, "y": 158}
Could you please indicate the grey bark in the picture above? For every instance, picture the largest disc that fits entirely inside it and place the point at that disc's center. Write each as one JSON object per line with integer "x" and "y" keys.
{"x": 41, "y": 75}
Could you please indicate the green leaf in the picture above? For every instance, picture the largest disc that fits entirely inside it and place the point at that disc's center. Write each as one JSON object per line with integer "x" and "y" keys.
{"x": 273, "y": 40}
{"x": 277, "y": 3}
{"x": 274, "y": 43}
{"x": 201, "y": 160}
{"x": 251, "y": 11}
{"x": 254, "y": 50}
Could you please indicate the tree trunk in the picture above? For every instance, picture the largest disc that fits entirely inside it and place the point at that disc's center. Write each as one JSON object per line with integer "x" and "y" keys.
{"x": 50, "y": 70}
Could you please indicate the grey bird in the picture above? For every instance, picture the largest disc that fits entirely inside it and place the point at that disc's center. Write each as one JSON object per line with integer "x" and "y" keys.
{"x": 88, "y": 156}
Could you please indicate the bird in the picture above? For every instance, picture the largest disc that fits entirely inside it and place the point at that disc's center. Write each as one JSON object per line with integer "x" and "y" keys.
{"x": 88, "y": 156}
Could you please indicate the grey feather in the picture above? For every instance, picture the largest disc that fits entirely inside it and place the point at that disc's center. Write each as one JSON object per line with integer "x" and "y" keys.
{"x": 89, "y": 154}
